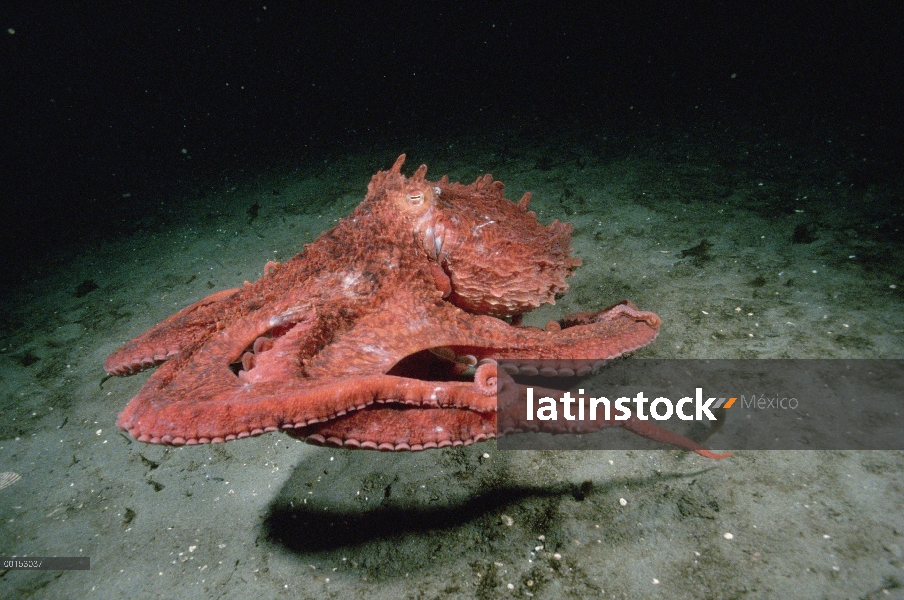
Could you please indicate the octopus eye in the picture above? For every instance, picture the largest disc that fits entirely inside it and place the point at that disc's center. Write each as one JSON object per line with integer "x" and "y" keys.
{"x": 415, "y": 198}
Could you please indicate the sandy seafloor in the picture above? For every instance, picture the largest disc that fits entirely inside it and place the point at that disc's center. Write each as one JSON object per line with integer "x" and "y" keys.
{"x": 697, "y": 228}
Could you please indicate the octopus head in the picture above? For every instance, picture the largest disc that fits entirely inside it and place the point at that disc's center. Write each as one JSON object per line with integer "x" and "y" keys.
{"x": 498, "y": 258}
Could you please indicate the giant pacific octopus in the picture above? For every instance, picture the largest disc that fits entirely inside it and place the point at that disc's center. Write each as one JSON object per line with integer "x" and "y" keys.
{"x": 392, "y": 331}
